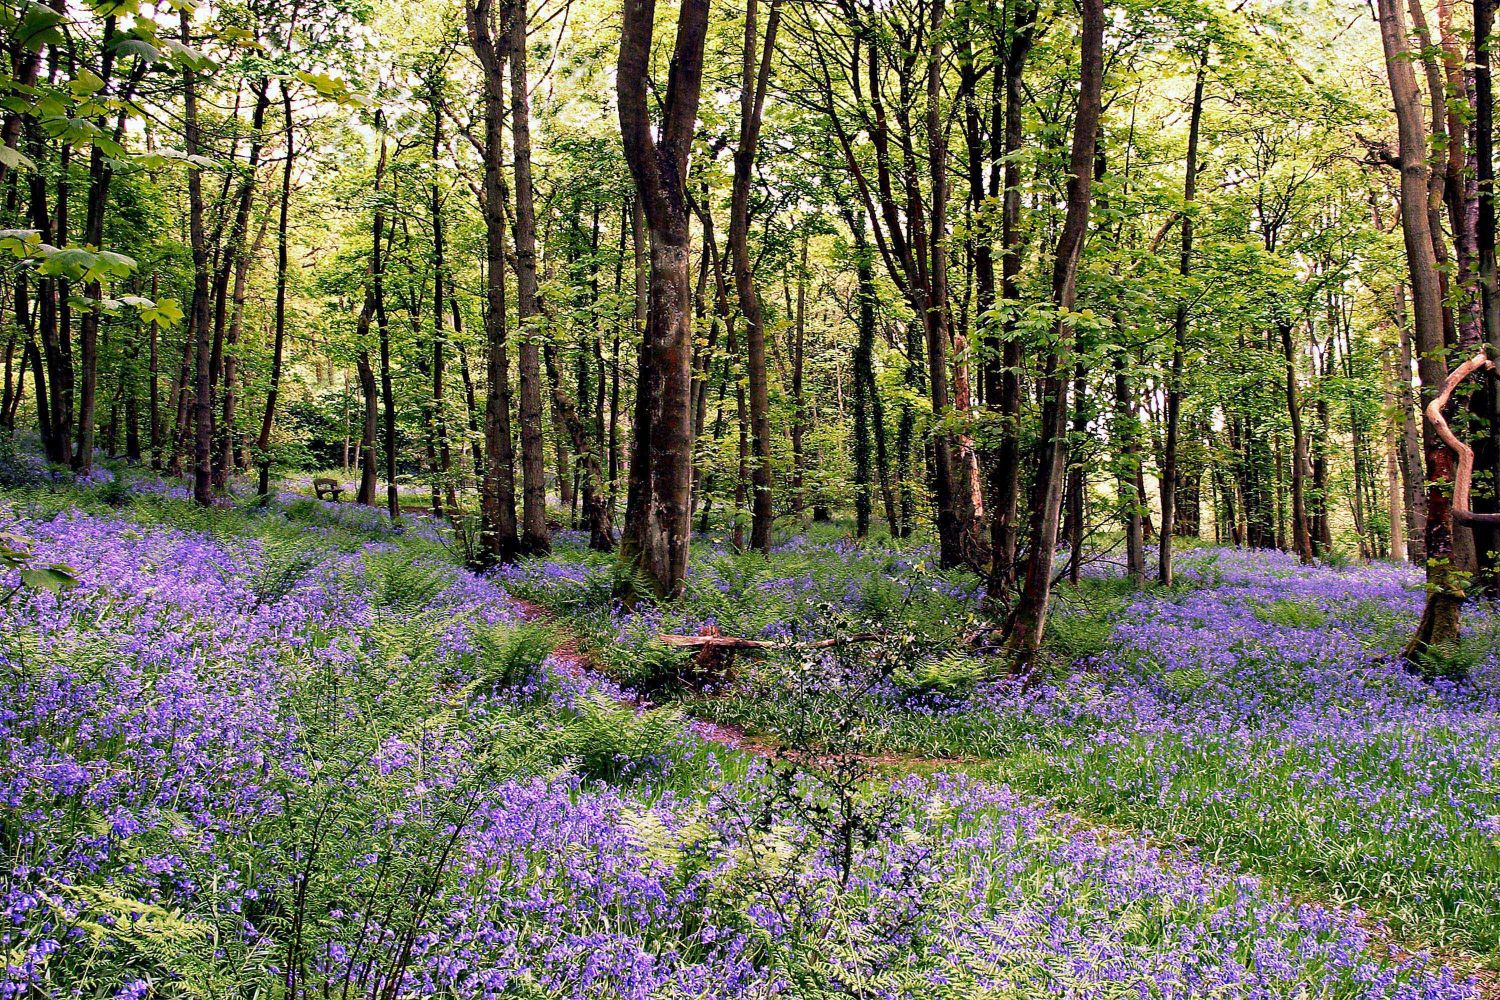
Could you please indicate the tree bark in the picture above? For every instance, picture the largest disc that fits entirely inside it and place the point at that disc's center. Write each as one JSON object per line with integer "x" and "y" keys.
{"x": 755, "y": 72}
{"x": 1170, "y": 458}
{"x": 198, "y": 313}
{"x": 278, "y": 344}
{"x": 534, "y": 534}
{"x": 1301, "y": 533}
{"x": 499, "y": 540}
{"x": 1029, "y": 618}
{"x": 1002, "y": 371}
{"x": 658, "y": 524}
{"x": 1440, "y": 617}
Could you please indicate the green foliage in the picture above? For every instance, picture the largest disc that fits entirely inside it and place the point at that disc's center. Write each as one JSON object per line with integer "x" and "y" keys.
{"x": 16, "y": 554}
{"x": 1291, "y": 614}
{"x": 511, "y": 655}
{"x": 403, "y": 581}
{"x": 606, "y": 740}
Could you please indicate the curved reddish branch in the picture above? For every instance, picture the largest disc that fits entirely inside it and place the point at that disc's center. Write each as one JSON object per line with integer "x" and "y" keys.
{"x": 1464, "y": 475}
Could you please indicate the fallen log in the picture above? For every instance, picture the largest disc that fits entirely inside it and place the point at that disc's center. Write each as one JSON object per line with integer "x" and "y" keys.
{"x": 713, "y": 652}
{"x": 734, "y": 642}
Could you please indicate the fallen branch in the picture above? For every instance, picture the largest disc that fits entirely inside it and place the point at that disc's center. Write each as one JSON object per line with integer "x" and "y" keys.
{"x": 732, "y": 642}
{"x": 1464, "y": 475}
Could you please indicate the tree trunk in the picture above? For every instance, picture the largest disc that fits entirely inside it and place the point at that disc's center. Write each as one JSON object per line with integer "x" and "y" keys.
{"x": 443, "y": 456}
{"x": 1127, "y": 461}
{"x": 499, "y": 539}
{"x": 1029, "y": 618}
{"x": 369, "y": 444}
{"x": 799, "y": 418}
{"x": 658, "y": 525}
{"x": 1002, "y": 371}
{"x": 278, "y": 345}
{"x": 534, "y": 534}
{"x": 153, "y": 372}
{"x": 1301, "y": 532}
{"x": 1170, "y": 458}
{"x": 755, "y": 71}
{"x": 1440, "y": 617}
{"x": 595, "y": 508}
{"x": 203, "y": 402}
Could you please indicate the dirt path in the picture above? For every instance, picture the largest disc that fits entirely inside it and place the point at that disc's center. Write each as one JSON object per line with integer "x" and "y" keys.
{"x": 572, "y": 660}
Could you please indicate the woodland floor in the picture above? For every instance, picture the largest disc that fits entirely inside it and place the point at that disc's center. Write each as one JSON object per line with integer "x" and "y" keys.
{"x": 316, "y": 742}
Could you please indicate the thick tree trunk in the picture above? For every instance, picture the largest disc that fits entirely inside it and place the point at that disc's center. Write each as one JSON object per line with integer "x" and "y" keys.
{"x": 499, "y": 539}
{"x": 658, "y": 524}
{"x": 1440, "y": 618}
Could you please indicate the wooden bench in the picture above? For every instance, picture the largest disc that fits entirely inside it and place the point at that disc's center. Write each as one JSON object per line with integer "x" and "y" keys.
{"x": 328, "y": 489}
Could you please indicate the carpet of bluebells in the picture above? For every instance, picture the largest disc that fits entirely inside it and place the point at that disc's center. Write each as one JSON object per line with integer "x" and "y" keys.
{"x": 297, "y": 751}
{"x": 1257, "y": 712}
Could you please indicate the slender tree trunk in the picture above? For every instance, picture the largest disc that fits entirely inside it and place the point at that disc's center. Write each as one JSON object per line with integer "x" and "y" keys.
{"x": 754, "y": 79}
{"x": 154, "y": 375}
{"x": 278, "y": 345}
{"x": 799, "y": 419}
{"x": 1301, "y": 533}
{"x": 443, "y": 450}
{"x": 1170, "y": 457}
{"x": 1029, "y": 617}
{"x": 595, "y": 508}
{"x": 369, "y": 438}
{"x": 534, "y": 534}
{"x": 1003, "y": 367}
{"x": 1128, "y": 462}
{"x": 224, "y": 463}
{"x": 1411, "y": 449}
{"x": 198, "y": 314}
{"x": 864, "y": 376}
{"x": 1395, "y": 497}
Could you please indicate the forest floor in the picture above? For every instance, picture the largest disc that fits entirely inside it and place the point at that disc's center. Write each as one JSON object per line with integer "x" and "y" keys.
{"x": 317, "y": 741}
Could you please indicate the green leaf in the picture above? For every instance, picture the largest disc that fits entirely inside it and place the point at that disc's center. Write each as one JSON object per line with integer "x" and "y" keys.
{"x": 14, "y": 159}
{"x": 108, "y": 8}
{"x": 138, "y": 47}
{"x": 55, "y": 578}
{"x": 109, "y": 264}
{"x": 167, "y": 312}
{"x": 39, "y": 27}
{"x": 72, "y": 262}
{"x": 86, "y": 82}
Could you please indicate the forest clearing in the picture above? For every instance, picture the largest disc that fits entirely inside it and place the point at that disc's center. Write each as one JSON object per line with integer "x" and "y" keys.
{"x": 748, "y": 499}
